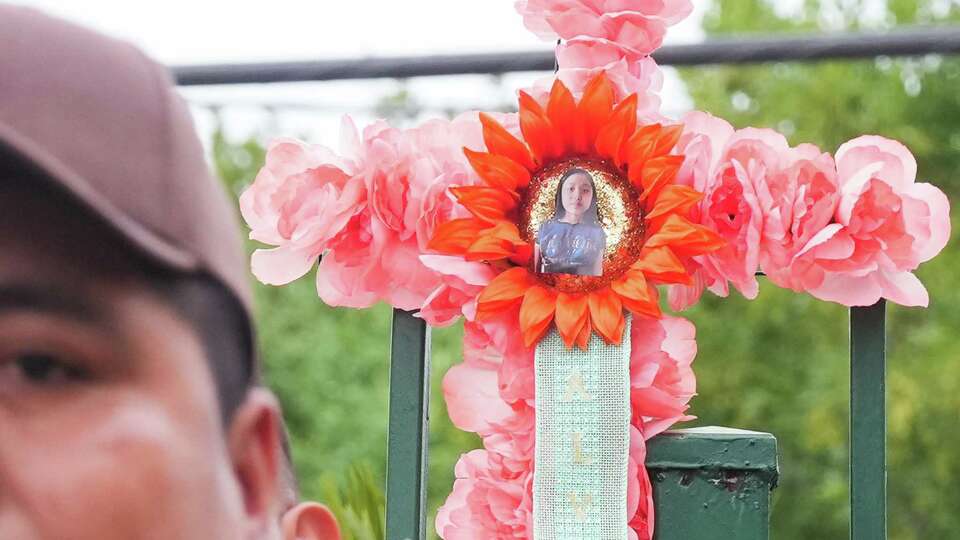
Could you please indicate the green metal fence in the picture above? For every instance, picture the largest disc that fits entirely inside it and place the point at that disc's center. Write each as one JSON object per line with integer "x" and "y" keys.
{"x": 410, "y": 416}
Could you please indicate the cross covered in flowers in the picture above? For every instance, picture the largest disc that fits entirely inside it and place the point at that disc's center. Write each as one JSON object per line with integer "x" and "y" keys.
{"x": 430, "y": 219}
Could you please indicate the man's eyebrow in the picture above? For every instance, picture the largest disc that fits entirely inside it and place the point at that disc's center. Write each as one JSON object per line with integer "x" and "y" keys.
{"x": 48, "y": 300}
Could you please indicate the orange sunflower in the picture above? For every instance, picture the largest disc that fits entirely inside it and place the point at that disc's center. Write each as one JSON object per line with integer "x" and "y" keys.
{"x": 596, "y": 128}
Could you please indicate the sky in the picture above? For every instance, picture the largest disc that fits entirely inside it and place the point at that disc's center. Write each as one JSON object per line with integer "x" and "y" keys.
{"x": 181, "y": 32}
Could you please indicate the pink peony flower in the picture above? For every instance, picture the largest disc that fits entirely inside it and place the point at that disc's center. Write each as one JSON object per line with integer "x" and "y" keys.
{"x": 580, "y": 60}
{"x": 472, "y": 395}
{"x": 731, "y": 168}
{"x": 504, "y": 345}
{"x": 302, "y": 197}
{"x": 850, "y": 232}
{"x": 885, "y": 225}
{"x": 488, "y": 501}
{"x": 662, "y": 381}
{"x": 611, "y": 36}
{"x": 639, "y": 490}
{"x": 461, "y": 283}
{"x": 367, "y": 214}
{"x": 637, "y": 27}
{"x": 798, "y": 203}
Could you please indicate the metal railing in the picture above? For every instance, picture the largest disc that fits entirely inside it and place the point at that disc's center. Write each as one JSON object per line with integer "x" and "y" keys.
{"x": 410, "y": 346}
{"x": 913, "y": 42}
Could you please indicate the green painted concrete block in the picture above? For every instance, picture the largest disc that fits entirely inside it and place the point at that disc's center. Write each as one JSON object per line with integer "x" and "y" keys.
{"x": 712, "y": 483}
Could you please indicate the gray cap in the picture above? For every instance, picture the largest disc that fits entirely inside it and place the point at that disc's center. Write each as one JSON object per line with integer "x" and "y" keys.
{"x": 103, "y": 121}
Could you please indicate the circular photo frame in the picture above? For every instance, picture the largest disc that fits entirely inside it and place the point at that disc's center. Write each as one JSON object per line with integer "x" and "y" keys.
{"x": 584, "y": 219}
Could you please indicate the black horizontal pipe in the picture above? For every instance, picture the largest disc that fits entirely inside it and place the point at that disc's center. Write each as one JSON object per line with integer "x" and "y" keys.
{"x": 912, "y": 42}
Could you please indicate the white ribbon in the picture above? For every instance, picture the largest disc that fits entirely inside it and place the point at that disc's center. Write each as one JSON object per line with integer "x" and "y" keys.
{"x": 583, "y": 440}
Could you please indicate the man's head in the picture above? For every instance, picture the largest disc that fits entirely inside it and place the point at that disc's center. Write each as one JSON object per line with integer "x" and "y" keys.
{"x": 126, "y": 352}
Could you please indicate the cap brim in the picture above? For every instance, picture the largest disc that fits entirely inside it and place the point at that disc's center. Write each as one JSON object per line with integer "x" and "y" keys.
{"x": 18, "y": 148}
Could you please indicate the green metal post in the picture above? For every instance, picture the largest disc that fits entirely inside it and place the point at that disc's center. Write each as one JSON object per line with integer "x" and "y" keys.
{"x": 712, "y": 483}
{"x": 868, "y": 466}
{"x": 409, "y": 428}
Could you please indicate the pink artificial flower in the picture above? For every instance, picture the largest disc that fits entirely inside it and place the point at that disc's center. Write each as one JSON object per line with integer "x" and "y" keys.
{"x": 580, "y": 60}
{"x": 615, "y": 37}
{"x": 514, "y": 437}
{"x": 731, "y": 169}
{"x": 702, "y": 143}
{"x": 350, "y": 269}
{"x": 505, "y": 344}
{"x": 637, "y": 27}
{"x": 885, "y": 225}
{"x": 302, "y": 197}
{"x": 358, "y": 268}
{"x": 662, "y": 381}
{"x": 471, "y": 393}
{"x": 639, "y": 490}
{"x": 367, "y": 214}
{"x": 460, "y": 283}
{"x": 799, "y": 202}
{"x": 732, "y": 209}
{"x": 488, "y": 501}
{"x": 440, "y": 144}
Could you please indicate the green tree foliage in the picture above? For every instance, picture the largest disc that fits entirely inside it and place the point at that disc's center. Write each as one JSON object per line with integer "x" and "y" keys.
{"x": 777, "y": 364}
{"x": 785, "y": 370}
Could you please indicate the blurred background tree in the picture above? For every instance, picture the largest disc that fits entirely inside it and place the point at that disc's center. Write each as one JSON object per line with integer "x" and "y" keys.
{"x": 777, "y": 364}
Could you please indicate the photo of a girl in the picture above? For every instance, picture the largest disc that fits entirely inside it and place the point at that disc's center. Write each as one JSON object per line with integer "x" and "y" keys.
{"x": 572, "y": 242}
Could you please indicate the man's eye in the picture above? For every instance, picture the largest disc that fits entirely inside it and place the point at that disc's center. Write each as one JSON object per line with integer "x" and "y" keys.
{"x": 42, "y": 368}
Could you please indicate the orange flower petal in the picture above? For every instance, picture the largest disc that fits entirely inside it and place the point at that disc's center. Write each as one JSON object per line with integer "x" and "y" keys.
{"x": 639, "y": 146}
{"x": 485, "y": 202}
{"x": 674, "y": 198}
{"x": 536, "y": 313}
{"x": 622, "y": 122}
{"x": 543, "y": 139}
{"x": 594, "y": 109}
{"x": 522, "y": 253}
{"x": 583, "y": 338}
{"x": 562, "y": 112}
{"x": 489, "y": 248}
{"x": 501, "y": 241}
{"x": 662, "y": 266}
{"x": 669, "y": 136}
{"x": 606, "y": 315}
{"x": 637, "y": 295}
{"x": 500, "y": 141}
{"x": 456, "y": 235}
{"x": 684, "y": 238}
{"x": 498, "y": 171}
{"x": 656, "y": 174}
{"x": 572, "y": 316}
{"x": 504, "y": 291}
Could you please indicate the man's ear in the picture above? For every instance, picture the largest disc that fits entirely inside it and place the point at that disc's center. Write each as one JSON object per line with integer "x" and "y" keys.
{"x": 310, "y": 521}
{"x": 255, "y": 451}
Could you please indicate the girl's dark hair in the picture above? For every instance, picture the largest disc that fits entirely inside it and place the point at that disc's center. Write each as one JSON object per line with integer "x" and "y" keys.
{"x": 592, "y": 215}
